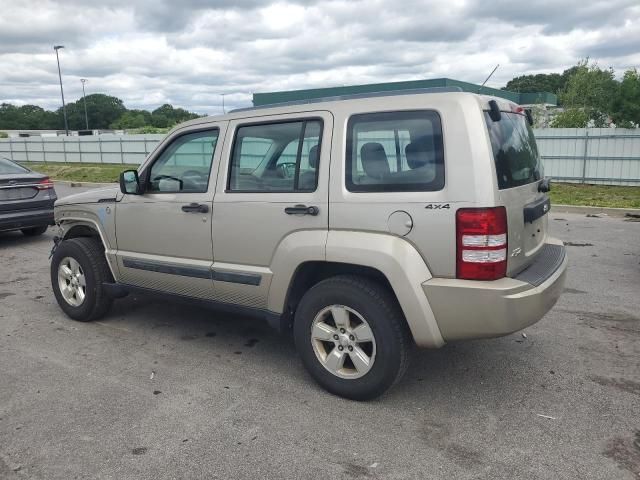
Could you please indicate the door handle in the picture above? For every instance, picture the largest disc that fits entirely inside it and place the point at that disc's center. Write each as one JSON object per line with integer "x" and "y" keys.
{"x": 195, "y": 208}
{"x": 302, "y": 210}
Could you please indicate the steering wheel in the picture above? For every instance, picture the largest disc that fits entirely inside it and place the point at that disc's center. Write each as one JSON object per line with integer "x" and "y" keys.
{"x": 286, "y": 169}
{"x": 193, "y": 173}
{"x": 167, "y": 177}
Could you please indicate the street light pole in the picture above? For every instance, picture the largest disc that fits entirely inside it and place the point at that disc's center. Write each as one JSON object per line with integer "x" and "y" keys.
{"x": 86, "y": 117}
{"x": 64, "y": 108}
{"x": 223, "y": 110}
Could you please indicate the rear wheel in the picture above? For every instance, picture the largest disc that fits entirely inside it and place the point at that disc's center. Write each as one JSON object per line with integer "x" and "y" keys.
{"x": 34, "y": 231}
{"x": 352, "y": 337}
{"x": 78, "y": 271}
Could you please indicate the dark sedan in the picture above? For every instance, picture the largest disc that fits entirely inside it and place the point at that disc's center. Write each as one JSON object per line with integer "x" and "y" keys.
{"x": 26, "y": 199}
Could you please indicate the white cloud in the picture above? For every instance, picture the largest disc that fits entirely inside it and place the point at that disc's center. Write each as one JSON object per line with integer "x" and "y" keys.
{"x": 150, "y": 52}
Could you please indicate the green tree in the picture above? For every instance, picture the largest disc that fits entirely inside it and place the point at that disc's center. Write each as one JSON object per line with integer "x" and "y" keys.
{"x": 132, "y": 119}
{"x": 591, "y": 89}
{"x": 159, "y": 120}
{"x": 168, "y": 116}
{"x": 27, "y": 117}
{"x": 571, "y": 118}
{"x": 102, "y": 111}
{"x": 542, "y": 82}
{"x": 625, "y": 108}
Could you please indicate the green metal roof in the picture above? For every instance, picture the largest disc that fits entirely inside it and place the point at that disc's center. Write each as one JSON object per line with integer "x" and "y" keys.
{"x": 269, "y": 98}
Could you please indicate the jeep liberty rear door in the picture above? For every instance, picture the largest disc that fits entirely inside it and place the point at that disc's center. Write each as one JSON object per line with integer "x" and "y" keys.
{"x": 271, "y": 202}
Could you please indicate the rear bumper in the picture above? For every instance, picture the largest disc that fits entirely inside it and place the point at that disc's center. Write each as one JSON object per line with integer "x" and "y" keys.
{"x": 17, "y": 220}
{"x": 466, "y": 309}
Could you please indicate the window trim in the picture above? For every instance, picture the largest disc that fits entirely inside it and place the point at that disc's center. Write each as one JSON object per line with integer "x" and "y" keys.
{"x": 146, "y": 171}
{"x": 304, "y": 121}
{"x": 390, "y": 187}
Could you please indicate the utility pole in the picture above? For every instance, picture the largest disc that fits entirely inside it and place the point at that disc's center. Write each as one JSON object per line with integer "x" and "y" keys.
{"x": 64, "y": 108}
{"x": 223, "y": 110}
{"x": 84, "y": 98}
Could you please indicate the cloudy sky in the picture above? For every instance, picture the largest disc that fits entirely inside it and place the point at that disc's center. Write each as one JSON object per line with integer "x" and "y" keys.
{"x": 188, "y": 52}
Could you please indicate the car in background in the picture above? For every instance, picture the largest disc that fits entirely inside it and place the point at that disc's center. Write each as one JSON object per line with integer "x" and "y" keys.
{"x": 26, "y": 199}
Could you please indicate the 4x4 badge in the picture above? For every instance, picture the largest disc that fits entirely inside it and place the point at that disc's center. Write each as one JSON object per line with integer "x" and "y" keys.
{"x": 437, "y": 206}
{"x": 516, "y": 251}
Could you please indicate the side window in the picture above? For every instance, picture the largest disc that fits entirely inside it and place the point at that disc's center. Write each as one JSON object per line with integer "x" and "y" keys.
{"x": 253, "y": 151}
{"x": 185, "y": 165}
{"x": 395, "y": 152}
{"x": 276, "y": 157}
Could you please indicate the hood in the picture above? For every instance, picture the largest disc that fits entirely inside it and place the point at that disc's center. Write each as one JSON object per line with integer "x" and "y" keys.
{"x": 95, "y": 195}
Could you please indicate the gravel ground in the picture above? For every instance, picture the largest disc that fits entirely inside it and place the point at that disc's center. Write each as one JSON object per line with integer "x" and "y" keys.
{"x": 163, "y": 391}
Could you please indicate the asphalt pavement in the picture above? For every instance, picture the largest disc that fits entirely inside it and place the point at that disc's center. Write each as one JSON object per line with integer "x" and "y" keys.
{"x": 158, "y": 390}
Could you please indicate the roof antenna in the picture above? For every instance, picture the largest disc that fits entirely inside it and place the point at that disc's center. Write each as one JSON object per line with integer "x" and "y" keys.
{"x": 487, "y": 79}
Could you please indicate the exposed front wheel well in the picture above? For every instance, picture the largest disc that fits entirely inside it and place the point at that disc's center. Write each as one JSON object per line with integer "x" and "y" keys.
{"x": 81, "y": 231}
{"x": 310, "y": 273}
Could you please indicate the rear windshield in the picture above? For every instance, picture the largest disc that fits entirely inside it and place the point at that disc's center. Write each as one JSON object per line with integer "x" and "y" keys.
{"x": 7, "y": 167}
{"x": 514, "y": 150}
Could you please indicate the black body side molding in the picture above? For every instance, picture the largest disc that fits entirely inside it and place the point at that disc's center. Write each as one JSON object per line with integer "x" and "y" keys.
{"x": 274, "y": 319}
{"x": 195, "y": 272}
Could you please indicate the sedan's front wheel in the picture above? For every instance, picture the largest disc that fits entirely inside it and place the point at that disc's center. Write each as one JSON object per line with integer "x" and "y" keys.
{"x": 34, "y": 231}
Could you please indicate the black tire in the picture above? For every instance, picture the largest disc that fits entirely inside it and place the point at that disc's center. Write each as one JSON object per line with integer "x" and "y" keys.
{"x": 381, "y": 311}
{"x": 89, "y": 253}
{"x": 34, "y": 231}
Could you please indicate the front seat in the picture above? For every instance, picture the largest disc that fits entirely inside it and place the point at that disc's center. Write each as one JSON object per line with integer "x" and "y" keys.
{"x": 374, "y": 162}
{"x": 308, "y": 178}
{"x": 418, "y": 154}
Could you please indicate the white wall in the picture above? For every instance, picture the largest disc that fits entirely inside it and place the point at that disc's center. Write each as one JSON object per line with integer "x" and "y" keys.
{"x": 600, "y": 155}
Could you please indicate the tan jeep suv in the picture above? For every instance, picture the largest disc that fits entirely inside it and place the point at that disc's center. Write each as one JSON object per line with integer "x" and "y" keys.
{"x": 365, "y": 224}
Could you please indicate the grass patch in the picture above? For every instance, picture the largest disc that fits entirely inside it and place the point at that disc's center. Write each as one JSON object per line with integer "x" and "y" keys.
{"x": 80, "y": 172}
{"x": 595, "y": 195}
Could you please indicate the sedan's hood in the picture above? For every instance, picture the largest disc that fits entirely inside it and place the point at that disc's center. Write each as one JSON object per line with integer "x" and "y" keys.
{"x": 94, "y": 195}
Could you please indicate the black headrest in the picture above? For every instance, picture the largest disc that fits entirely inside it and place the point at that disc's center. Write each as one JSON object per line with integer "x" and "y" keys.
{"x": 374, "y": 160}
{"x": 418, "y": 154}
{"x": 314, "y": 156}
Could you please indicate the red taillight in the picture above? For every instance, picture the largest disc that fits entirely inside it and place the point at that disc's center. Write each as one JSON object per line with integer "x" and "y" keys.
{"x": 44, "y": 184}
{"x": 481, "y": 236}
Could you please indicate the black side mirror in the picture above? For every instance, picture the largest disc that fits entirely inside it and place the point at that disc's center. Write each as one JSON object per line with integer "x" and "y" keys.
{"x": 544, "y": 185}
{"x": 130, "y": 182}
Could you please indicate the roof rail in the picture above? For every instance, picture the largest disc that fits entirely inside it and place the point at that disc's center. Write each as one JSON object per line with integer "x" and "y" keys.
{"x": 354, "y": 96}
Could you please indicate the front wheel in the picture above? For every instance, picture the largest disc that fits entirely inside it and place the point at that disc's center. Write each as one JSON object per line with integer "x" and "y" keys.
{"x": 78, "y": 271}
{"x": 352, "y": 337}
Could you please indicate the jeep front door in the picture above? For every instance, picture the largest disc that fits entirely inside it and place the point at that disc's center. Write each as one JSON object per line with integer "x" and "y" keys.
{"x": 164, "y": 233}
